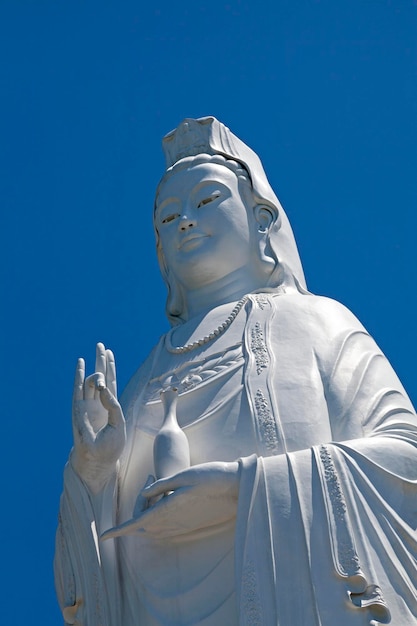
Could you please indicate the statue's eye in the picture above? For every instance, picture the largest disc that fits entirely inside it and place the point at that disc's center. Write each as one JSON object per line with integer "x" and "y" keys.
{"x": 169, "y": 218}
{"x": 213, "y": 196}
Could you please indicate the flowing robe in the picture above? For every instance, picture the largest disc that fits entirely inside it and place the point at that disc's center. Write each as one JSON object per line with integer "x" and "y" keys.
{"x": 325, "y": 530}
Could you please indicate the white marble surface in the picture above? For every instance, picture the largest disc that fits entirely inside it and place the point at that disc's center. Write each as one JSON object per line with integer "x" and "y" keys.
{"x": 299, "y": 503}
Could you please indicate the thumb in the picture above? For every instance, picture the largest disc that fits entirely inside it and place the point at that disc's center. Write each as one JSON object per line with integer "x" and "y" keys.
{"x": 112, "y": 405}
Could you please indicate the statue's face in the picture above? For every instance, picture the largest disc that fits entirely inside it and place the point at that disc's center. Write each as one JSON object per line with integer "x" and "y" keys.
{"x": 204, "y": 224}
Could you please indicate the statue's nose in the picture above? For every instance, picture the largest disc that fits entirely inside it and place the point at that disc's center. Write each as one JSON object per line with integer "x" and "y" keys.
{"x": 187, "y": 222}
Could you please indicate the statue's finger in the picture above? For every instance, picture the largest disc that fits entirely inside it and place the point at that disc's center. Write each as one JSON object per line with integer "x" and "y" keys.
{"x": 93, "y": 384}
{"x": 96, "y": 381}
{"x": 142, "y": 503}
{"x": 165, "y": 485}
{"x": 78, "y": 393}
{"x": 101, "y": 360}
{"x": 131, "y": 527}
{"x": 111, "y": 383}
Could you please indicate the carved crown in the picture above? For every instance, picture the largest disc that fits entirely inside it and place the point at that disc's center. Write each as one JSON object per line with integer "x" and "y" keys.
{"x": 196, "y": 136}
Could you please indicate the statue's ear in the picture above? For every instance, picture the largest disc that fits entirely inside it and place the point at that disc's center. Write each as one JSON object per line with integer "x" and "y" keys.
{"x": 264, "y": 215}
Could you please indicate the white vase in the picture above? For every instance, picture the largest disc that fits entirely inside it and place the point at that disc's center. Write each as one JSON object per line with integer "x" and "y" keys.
{"x": 171, "y": 451}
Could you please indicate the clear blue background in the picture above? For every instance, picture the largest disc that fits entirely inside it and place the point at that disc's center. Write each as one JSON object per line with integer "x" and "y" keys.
{"x": 325, "y": 92}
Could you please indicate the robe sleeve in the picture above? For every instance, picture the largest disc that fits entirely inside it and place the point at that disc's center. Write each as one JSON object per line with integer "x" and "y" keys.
{"x": 331, "y": 530}
{"x": 85, "y": 567}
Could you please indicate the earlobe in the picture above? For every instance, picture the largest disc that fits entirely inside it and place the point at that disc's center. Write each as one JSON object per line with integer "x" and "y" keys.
{"x": 264, "y": 216}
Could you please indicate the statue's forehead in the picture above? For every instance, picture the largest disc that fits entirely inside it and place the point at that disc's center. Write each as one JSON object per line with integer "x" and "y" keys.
{"x": 183, "y": 180}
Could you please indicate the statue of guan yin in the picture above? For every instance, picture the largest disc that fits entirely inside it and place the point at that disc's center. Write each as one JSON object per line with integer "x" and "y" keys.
{"x": 261, "y": 466}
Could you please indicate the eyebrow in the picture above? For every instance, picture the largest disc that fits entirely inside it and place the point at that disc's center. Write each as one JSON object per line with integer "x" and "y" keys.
{"x": 164, "y": 203}
{"x": 197, "y": 187}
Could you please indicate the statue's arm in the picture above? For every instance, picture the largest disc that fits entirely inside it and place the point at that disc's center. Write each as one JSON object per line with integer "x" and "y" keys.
{"x": 366, "y": 401}
{"x": 369, "y": 410}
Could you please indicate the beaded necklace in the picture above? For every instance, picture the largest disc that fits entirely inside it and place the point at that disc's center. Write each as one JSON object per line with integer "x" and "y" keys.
{"x": 188, "y": 347}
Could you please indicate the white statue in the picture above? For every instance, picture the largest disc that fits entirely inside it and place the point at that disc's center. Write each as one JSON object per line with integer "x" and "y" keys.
{"x": 284, "y": 443}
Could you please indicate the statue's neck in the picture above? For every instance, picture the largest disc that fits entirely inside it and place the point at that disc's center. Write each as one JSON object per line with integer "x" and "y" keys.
{"x": 229, "y": 289}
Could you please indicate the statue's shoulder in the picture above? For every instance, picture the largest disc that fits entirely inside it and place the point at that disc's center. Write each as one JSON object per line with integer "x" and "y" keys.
{"x": 320, "y": 312}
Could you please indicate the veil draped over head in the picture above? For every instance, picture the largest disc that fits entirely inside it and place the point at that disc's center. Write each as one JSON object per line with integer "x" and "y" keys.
{"x": 206, "y": 135}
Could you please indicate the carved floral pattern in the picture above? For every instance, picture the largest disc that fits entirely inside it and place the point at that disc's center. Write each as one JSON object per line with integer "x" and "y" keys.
{"x": 266, "y": 422}
{"x": 252, "y": 606}
{"x": 346, "y": 553}
{"x": 258, "y": 348}
{"x": 261, "y": 300}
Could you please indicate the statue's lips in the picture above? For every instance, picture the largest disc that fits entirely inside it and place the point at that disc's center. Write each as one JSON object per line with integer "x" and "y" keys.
{"x": 190, "y": 238}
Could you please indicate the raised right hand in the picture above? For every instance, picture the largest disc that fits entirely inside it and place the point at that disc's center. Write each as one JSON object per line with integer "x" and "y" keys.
{"x": 98, "y": 423}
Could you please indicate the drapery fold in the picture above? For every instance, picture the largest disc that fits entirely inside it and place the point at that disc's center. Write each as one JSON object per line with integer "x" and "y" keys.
{"x": 329, "y": 506}
{"x": 85, "y": 574}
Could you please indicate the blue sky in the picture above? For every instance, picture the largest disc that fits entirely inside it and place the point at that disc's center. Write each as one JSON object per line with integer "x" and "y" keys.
{"x": 324, "y": 91}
